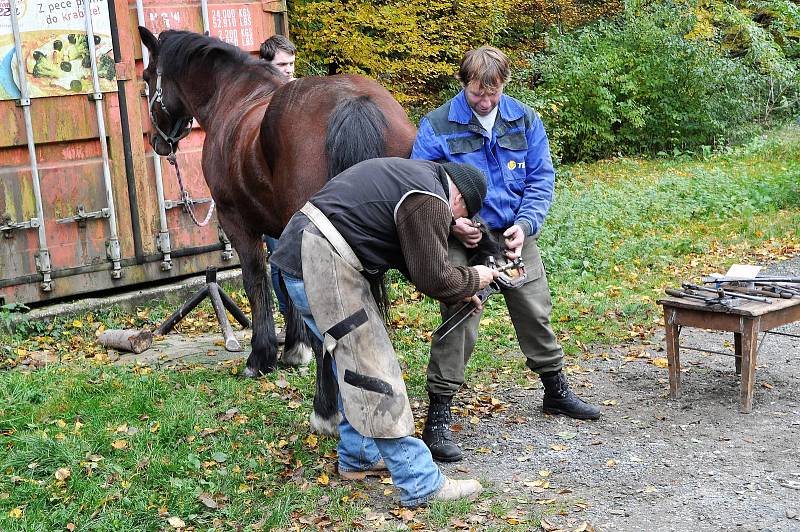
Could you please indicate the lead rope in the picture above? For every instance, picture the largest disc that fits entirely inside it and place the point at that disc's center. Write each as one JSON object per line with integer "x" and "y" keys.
{"x": 187, "y": 200}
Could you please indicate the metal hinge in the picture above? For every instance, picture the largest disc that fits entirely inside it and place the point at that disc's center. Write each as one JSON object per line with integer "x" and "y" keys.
{"x": 81, "y": 216}
{"x": 8, "y": 227}
{"x": 227, "y": 252}
{"x": 171, "y": 204}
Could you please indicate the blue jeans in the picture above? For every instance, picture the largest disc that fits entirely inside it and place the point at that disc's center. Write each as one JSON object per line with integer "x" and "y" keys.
{"x": 272, "y": 243}
{"x": 408, "y": 459}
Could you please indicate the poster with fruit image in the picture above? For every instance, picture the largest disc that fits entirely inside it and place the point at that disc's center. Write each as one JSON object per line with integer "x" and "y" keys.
{"x": 55, "y": 49}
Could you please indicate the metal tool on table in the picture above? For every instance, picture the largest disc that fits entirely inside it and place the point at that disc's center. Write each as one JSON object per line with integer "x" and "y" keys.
{"x": 722, "y": 293}
{"x": 502, "y": 282}
{"x": 708, "y": 300}
{"x": 729, "y": 296}
{"x": 774, "y": 286}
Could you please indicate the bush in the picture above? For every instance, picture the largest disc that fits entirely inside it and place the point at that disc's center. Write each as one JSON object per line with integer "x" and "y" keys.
{"x": 411, "y": 46}
{"x": 634, "y": 84}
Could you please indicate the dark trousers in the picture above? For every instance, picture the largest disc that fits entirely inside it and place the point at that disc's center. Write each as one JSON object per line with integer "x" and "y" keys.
{"x": 529, "y": 307}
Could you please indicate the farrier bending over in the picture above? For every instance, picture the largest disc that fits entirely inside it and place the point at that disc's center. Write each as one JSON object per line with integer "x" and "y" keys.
{"x": 380, "y": 214}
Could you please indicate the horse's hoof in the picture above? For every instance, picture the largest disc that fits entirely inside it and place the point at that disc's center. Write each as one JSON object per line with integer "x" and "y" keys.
{"x": 328, "y": 426}
{"x": 299, "y": 355}
{"x": 252, "y": 373}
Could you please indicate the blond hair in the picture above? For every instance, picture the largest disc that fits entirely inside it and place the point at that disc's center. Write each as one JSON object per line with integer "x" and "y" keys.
{"x": 487, "y": 65}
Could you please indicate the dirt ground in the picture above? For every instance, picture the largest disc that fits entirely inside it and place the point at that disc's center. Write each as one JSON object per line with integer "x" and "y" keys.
{"x": 651, "y": 463}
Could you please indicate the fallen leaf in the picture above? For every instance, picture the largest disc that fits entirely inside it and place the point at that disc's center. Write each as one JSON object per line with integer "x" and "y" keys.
{"x": 323, "y": 479}
{"x": 660, "y": 362}
{"x": 119, "y": 444}
{"x": 610, "y": 402}
{"x": 15, "y": 513}
{"x": 208, "y": 501}
{"x": 229, "y": 414}
{"x": 176, "y": 522}
{"x": 312, "y": 440}
{"x": 219, "y": 457}
{"x": 544, "y": 473}
{"x": 62, "y": 473}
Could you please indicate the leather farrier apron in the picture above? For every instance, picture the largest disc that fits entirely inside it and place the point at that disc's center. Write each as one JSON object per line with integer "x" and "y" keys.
{"x": 370, "y": 380}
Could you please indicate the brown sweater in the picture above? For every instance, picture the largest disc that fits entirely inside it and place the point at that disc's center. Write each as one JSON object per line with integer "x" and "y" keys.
{"x": 423, "y": 224}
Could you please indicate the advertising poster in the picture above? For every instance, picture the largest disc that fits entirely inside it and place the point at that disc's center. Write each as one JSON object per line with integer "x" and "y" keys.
{"x": 55, "y": 48}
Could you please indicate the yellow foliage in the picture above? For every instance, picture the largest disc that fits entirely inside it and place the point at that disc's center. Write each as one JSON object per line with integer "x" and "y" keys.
{"x": 413, "y": 47}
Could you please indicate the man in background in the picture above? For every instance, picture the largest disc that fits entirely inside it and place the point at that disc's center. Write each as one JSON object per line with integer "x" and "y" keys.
{"x": 280, "y": 52}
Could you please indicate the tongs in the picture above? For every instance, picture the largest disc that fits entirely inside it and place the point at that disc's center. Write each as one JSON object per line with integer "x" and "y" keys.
{"x": 502, "y": 282}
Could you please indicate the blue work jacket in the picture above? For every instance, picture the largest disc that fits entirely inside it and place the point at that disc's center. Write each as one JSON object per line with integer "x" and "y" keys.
{"x": 514, "y": 156}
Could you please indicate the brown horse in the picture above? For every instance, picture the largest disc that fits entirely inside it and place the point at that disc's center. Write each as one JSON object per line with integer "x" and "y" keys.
{"x": 269, "y": 146}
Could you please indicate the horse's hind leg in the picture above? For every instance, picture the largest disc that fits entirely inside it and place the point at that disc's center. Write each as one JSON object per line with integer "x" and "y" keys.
{"x": 253, "y": 259}
{"x": 297, "y": 346}
{"x": 325, "y": 418}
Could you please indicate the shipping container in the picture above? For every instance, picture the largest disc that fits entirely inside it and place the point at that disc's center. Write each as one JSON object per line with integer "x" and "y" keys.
{"x": 85, "y": 204}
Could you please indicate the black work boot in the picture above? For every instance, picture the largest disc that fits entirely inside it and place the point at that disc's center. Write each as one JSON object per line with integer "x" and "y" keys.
{"x": 436, "y": 434}
{"x": 559, "y": 399}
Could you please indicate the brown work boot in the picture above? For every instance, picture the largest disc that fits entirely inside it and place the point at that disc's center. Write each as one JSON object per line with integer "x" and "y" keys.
{"x": 453, "y": 489}
{"x": 375, "y": 471}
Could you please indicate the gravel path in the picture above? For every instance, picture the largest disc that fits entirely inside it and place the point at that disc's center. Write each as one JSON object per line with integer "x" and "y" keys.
{"x": 650, "y": 463}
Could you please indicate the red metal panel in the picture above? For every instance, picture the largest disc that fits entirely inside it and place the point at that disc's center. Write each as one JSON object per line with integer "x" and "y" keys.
{"x": 71, "y": 176}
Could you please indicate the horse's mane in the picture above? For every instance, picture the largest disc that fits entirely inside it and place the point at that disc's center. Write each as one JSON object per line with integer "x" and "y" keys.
{"x": 178, "y": 49}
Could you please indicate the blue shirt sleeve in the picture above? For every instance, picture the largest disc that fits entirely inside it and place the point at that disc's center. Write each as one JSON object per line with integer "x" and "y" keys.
{"x": 426, "y": 145}
{"x": 539, "y": 180}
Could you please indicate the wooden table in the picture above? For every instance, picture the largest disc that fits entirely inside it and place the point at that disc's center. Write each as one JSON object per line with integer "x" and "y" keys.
{"x": 745, "y": 321}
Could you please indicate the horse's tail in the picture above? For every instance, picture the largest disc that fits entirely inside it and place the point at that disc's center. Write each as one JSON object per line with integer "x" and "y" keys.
{"x": 380, "y": 293}
{"x": 325, "y": 418}
{"x": 356, "y": 132}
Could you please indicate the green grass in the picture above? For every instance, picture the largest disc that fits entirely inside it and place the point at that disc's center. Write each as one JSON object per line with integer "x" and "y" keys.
{"x": 618, "y": 232}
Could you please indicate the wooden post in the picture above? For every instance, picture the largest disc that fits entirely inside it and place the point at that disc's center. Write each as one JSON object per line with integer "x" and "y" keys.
{"x": 750, "y": 329}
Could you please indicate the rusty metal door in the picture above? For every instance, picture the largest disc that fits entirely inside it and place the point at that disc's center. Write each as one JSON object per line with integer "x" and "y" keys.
{"x": 85, "y": 204}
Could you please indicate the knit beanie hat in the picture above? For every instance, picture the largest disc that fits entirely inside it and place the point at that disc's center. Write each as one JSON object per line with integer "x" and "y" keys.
{"x": 470, "y": 182}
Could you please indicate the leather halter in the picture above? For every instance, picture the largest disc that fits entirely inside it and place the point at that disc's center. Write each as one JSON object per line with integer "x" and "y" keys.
{"x": 182, "y": 126}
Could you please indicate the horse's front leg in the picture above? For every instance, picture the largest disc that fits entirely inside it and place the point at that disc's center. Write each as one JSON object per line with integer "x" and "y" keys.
{"x": 253, "y": 259}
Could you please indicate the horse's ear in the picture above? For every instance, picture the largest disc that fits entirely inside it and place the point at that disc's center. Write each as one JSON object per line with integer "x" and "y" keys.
{"x": 148, "y": 39}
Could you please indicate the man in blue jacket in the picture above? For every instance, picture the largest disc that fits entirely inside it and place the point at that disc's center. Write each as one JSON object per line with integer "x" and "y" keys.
{"x": 505, "y": 139}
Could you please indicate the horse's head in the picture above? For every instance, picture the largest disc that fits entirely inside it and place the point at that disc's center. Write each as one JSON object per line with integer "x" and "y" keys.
{"x": 170, "y": 119}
